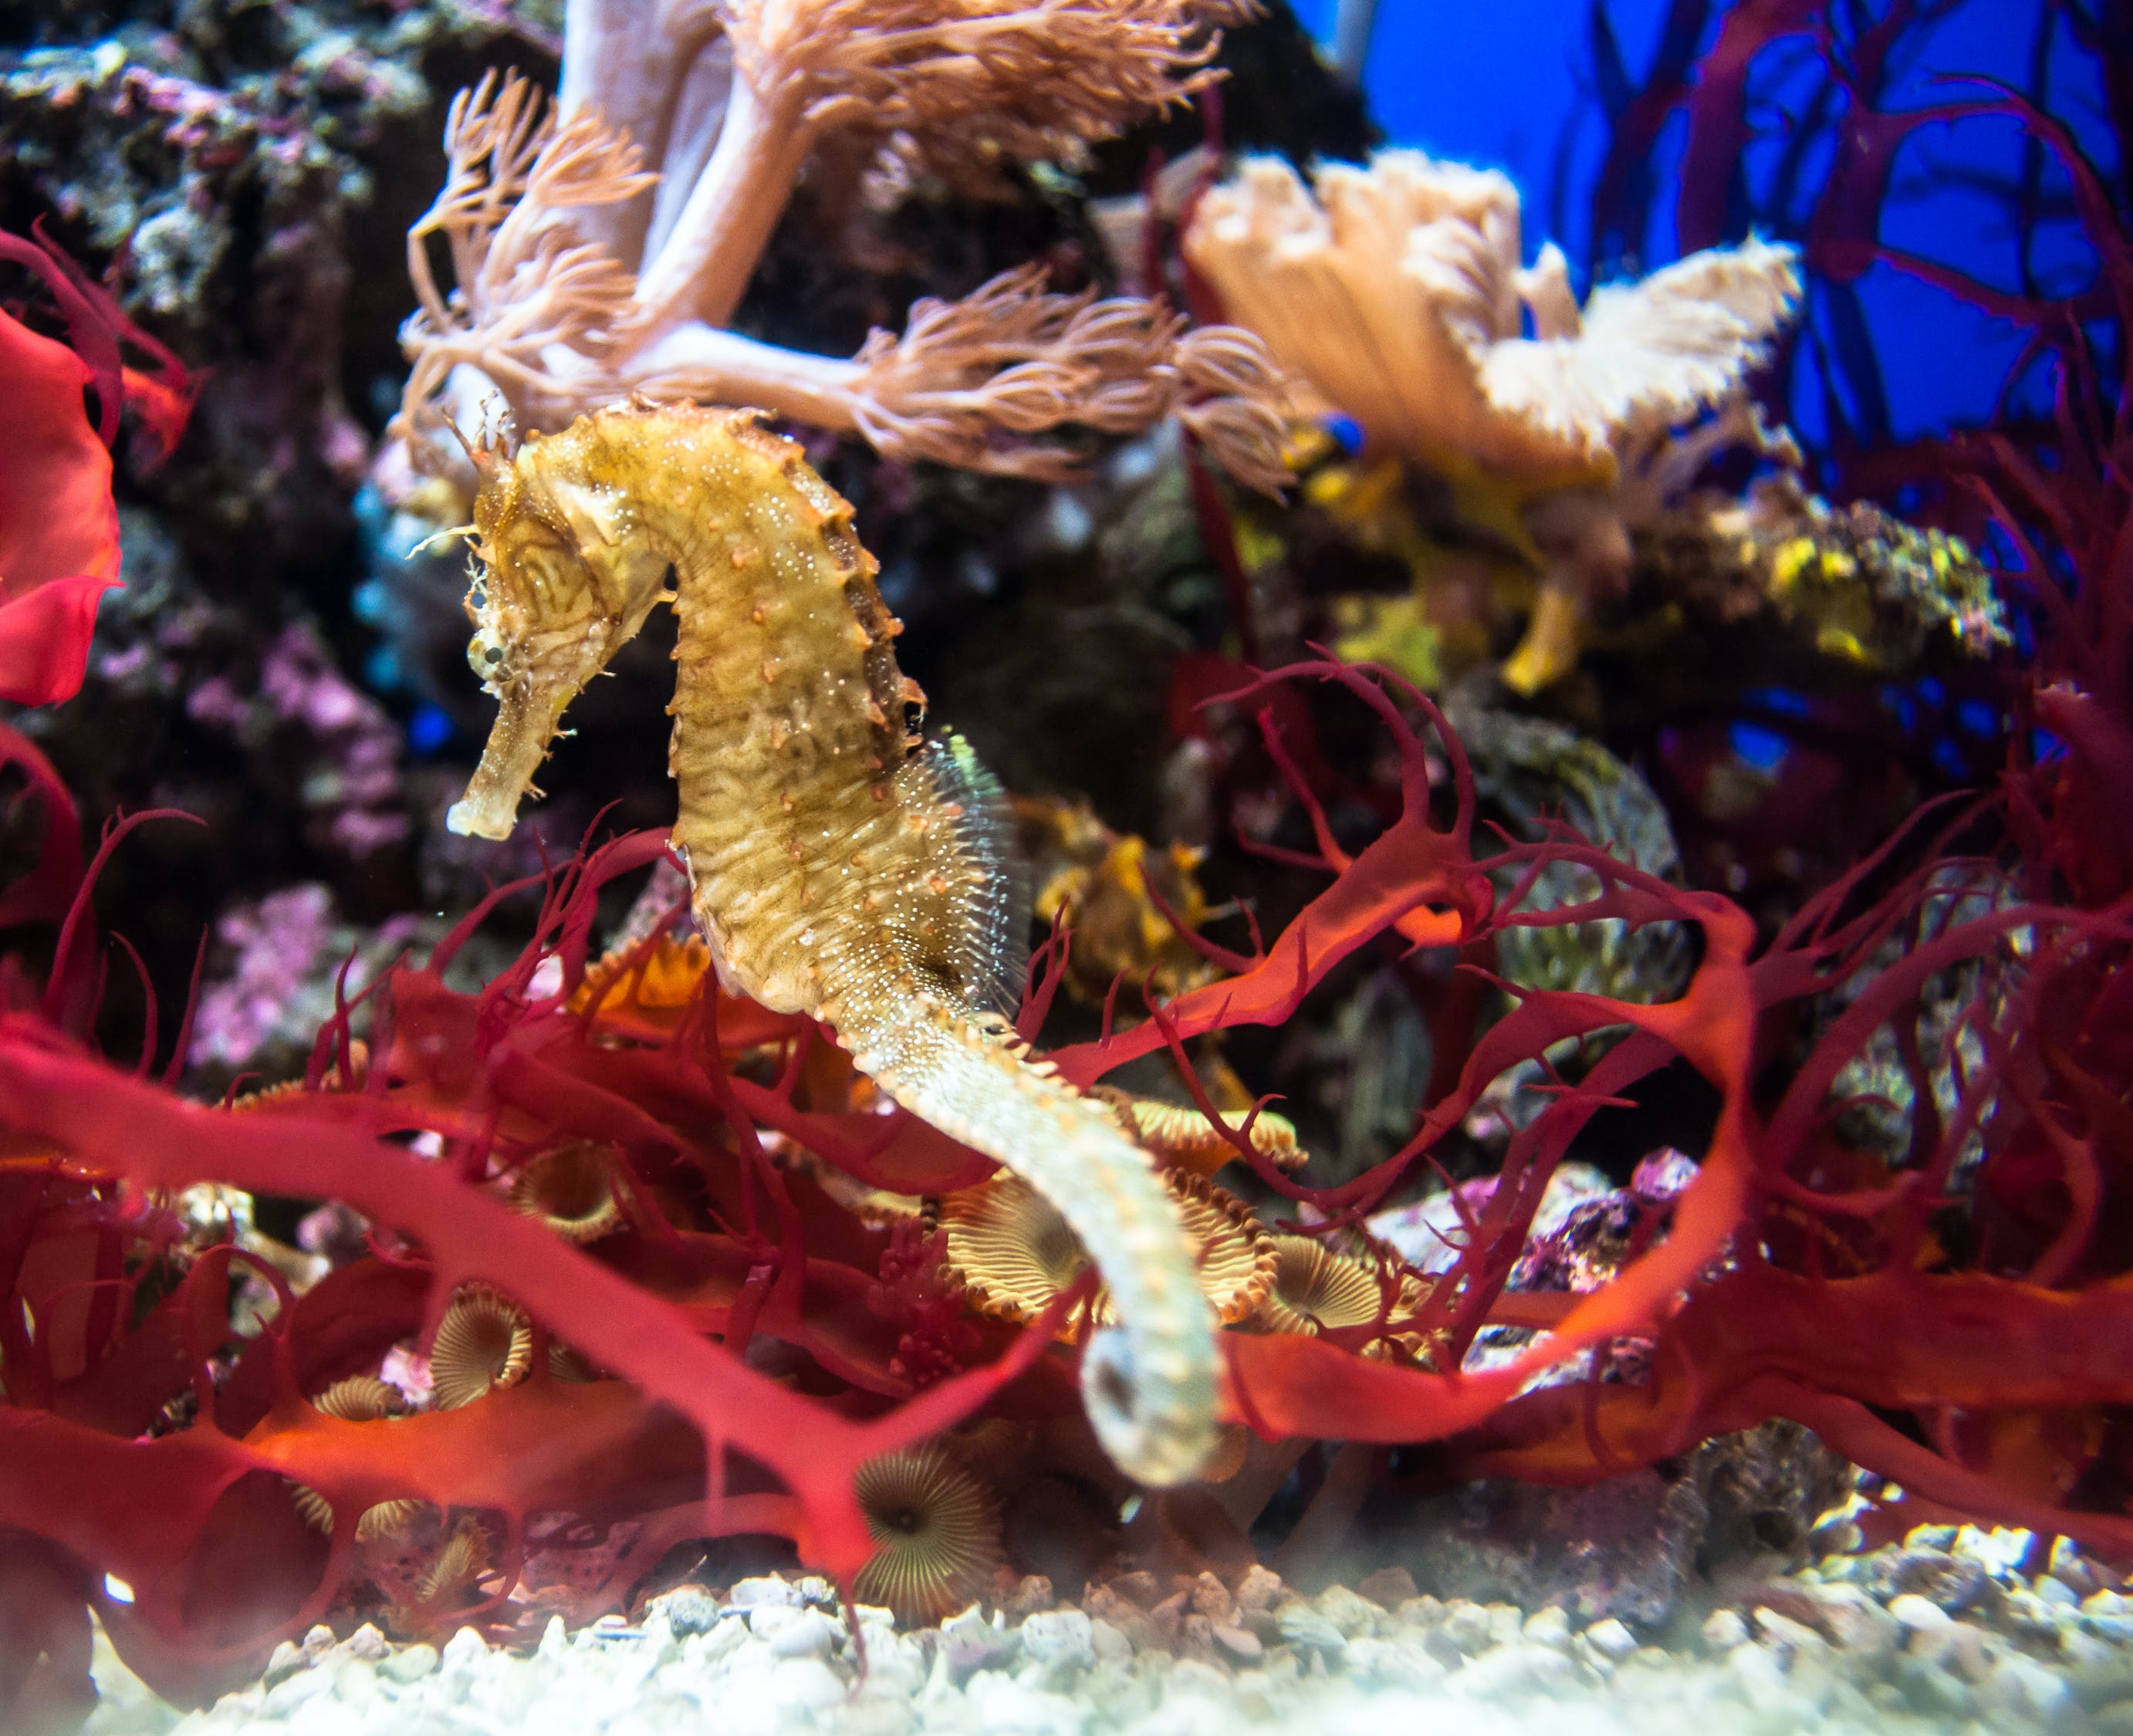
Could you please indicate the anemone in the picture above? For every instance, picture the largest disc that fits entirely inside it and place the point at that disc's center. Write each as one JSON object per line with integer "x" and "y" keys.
{"x": 1014, "y": 1253}
{"x": 1184, "y": 1137}
{"x": 359, "y": 1399}
{"x": 1315, "y": 1289}
{"x": 485, "y": 1341}
{"x": 571, "y": 1188}
{"x": 1011, "y": 1247}
{"x": 936, "y": 1532}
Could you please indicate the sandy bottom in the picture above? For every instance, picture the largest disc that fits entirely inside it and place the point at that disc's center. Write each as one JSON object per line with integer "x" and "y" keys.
{"x": 1836, "y": 1649}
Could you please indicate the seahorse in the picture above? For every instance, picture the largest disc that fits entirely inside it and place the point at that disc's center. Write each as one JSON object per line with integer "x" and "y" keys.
{"x": 841, "y": 865}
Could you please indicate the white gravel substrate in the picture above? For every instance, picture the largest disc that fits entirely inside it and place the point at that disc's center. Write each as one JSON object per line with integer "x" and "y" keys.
{"x": 774, "y": 1658}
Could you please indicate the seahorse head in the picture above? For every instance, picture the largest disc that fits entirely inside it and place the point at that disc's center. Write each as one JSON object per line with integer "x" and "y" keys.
{"x": 561, "y": 582}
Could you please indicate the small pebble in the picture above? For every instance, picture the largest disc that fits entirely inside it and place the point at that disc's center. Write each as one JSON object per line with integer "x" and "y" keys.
{"x": 1304, "y": 1628}
{"x": 1548, "y": 1627}
{"x": 1919, "y": 1614}
{"x": 1062, "y": 1640}
{"x": 408, "y": 1663}
{"x": 1723, "y": 1629}
{"x": 689, "y": 1609}
{"x": 1615, "y": 1642}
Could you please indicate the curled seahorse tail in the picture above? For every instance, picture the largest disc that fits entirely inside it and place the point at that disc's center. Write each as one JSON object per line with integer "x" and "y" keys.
{"x": 1150, "y": 1382}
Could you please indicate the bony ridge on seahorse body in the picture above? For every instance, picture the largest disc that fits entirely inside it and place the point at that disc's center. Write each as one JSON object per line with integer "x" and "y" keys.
{"x": 840, "y": 867}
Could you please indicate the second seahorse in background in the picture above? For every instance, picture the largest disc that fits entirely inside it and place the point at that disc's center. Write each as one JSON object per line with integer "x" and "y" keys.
{"x": 840, "y": 866}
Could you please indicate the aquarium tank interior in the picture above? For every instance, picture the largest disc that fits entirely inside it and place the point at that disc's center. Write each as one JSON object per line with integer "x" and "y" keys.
{"x": 1056, "y": 867}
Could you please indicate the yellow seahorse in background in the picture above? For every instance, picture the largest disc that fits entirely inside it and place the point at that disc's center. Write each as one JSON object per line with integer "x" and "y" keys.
{"x": 840, "y": 867}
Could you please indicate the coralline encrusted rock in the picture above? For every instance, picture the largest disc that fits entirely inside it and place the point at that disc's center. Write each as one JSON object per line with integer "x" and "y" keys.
{"x": 228, "y": 171}
{"x": 1629, "y": 1548}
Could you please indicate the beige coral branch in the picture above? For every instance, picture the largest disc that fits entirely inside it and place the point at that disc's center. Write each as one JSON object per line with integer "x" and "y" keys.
{"x": 1397, "y": 293}
{"x": 575, "y": 284}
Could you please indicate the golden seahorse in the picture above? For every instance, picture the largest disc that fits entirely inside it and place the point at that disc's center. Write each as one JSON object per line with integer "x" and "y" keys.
{"x": 840, "y": 866}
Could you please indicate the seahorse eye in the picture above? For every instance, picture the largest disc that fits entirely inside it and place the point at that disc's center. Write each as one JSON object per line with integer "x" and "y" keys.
{"x": 485, "y": 653}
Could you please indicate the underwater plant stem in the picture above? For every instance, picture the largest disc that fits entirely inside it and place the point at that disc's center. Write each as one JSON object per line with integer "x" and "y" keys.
{"x": 726, "y": 223}
{"x": 707, "y": 363}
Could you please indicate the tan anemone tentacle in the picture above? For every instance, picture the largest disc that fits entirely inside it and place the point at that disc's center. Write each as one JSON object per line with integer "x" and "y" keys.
{"x": 840, "y": 867}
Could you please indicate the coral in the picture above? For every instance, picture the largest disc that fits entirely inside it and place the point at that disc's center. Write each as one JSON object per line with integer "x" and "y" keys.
{"x": 571, "y": 1189}
{"x": 483, "y": 1343}
{"x": 285, "y": 958}
{"x": 1125, "y": 902}
{"x": 59, "y": 523}
{"x": 1866, "y": 588}
{"x": 1540, "y": 774}
{"x": 230, "y": 169}
{"x": 1396, "y": 293}
{"x": 1938, "y": 1285}
{"x": 938, "y": 1534}
{"x": 1014, "y": 1254}
{"x": 575, "y": 285}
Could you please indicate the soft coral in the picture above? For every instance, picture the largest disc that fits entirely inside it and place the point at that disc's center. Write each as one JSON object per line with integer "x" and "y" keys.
{"x": 59, "y": 524}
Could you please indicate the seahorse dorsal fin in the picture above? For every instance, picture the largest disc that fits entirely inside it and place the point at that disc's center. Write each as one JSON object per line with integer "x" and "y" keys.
{"x": 992, "y": 952}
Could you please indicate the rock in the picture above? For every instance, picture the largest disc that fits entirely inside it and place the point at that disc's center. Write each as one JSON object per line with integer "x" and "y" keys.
{"x": 1114, "y": 1650}
{"x": 1060, "y": 1640}
{"x": 1209, "y": 1597}
{"x": 1258, "y": 1590}
{"x": 1933, "y": 1691}
{"x": 1239, "y": 1643}
{"x": 806, "y": 1633}
{"x": 354, "y": 1681}
{"x": 1548, "y": 1627}
{"x": 1466, "y": 1627}
{"x": 1506, "y": 1621}
{"x": 1109, "y": 1610}
{"x": 1511, "y": 1671}
{"x": 2019, "y": 1687}
{"x": 463, "y": 1650}
{"x": 317, "y": 1642}
{"x": 366, "y": 1643}
{"x": 1393, "y": 1664}
{"x": 1389, "y": 1586}
{"x": 1918, "y": 1614}
{"x": 806, "y": 1683}
{"x": 769, "y": 1588}
{"x": 2115, "y": 1720}
{"x": 1032, "y": 1594}
{"x": 1138, "y": 1587}
{"x": 2053, "y": 1589}
{"x": 408, "y": 1663}
{"x": 1954, "y": 1582}
{"x": 1353, "y": 1615}
{"x": 970, "y": 1643}
{"x": 1860, "y": 1626}
{"x": 283, "y": 1700}
{"x": 1611, "y": 1640}
{"x": 1723, "y": 1629}
{"x": 1304, "y": 1628}
{"x": 689, "y": 1609}
{"x": 288, "y": 1658}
